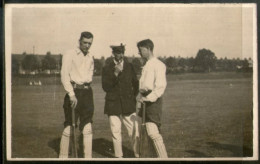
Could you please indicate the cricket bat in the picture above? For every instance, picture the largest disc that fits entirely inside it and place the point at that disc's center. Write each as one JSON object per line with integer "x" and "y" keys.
{"x": 146, "y": 149}
{"x": 74, "y": 140}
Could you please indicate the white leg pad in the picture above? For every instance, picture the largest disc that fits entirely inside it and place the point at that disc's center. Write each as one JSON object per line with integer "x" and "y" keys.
{"x": 87, "y": 140}
{"x": 153, "y": 133}
{"x": 64, "y": 143}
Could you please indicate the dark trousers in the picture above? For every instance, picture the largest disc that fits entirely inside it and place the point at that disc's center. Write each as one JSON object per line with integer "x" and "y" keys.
{"x": 153, "y": 112}
{"x": 84, "y": 109}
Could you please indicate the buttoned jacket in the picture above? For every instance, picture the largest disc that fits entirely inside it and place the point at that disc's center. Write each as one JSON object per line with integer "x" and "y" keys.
{"x": 120, "y": 90}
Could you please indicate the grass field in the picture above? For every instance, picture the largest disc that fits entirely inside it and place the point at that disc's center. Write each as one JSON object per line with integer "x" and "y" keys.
{"x": 204, "y": 115}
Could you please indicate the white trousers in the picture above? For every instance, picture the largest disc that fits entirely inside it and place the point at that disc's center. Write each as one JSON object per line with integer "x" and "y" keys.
{"x": 87, "y": 141}
{"x": 131, "y": 125}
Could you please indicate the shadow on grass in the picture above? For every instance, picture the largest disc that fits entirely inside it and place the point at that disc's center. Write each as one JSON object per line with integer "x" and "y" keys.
{"x": 236, "y": 150}
{"x": 55, "y": 145}
{"x": 101, "y": 146}
{"x": 197, "y": 153}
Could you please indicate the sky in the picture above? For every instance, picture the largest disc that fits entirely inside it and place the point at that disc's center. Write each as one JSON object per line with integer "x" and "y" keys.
{"x": 176, "y": 30}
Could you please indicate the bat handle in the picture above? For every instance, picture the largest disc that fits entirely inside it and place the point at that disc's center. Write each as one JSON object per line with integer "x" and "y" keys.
{"x": 73, "y": 115}
{"x": 141, "y": 146}
{"x": 144, "y": 108}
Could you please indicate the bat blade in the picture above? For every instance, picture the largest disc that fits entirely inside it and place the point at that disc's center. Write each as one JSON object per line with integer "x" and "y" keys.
{"x": 74, "y": 148}
{"x": 74, "y": 139}
{"x": 146, "y": 145}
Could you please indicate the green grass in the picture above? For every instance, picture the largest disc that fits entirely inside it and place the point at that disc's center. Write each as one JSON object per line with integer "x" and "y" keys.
{"x": 204, "y": 115}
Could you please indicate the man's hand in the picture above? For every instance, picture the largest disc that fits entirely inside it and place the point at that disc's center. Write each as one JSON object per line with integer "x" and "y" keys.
{"x": 139, "y": 97}
{"x": 118, "y": 69}
{"x": 143, "y": 90}
{"x": 73, "y": 101}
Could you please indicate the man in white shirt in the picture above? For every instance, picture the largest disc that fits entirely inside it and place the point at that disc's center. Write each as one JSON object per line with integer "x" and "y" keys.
{"x": 76, "y": 77}
{"x": 152, "y": 85}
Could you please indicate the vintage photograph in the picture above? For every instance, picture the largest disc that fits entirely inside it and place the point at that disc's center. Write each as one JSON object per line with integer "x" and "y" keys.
{"x": 131, "y": 82}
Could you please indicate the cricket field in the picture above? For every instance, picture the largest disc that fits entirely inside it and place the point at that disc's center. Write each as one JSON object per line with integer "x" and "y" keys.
{"x": 204, "y": 116}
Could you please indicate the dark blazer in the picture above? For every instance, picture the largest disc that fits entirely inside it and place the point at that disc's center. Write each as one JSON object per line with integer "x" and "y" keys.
{"x": 120, "y": 90}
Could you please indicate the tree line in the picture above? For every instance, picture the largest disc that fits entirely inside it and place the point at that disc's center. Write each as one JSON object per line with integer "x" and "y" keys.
{"x": 205, "y": 61}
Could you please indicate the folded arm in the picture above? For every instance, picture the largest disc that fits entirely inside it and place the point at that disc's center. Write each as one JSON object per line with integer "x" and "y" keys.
{"x": 159, "y": 85}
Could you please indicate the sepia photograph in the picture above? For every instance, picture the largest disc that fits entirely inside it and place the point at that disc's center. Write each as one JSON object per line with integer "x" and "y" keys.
{"x": 138, "y": 82}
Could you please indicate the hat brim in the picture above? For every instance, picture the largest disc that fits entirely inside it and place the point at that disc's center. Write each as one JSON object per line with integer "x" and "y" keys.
{"x": 114, "y": 46}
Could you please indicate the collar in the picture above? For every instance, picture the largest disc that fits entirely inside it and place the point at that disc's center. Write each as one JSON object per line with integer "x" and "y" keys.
{"x": 151, "y": 59}
{"x": 78, "y": 51}
{"x": 122, "y": 62}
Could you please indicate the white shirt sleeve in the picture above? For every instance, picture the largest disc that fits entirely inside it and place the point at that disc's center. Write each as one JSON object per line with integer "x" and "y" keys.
{"x": 159, "y": 84}
{"x": 91, "y": 67}
{"x": 65, "y": 73}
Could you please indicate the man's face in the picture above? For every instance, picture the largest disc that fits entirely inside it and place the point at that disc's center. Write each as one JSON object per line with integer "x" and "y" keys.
{"x": 85, "y": 44}
{"x": 144, "y": 52}
{"x": 118, "y": 56}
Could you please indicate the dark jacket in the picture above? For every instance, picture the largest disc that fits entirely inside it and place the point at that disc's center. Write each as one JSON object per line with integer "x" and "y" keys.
{"x": 120, "y": 90}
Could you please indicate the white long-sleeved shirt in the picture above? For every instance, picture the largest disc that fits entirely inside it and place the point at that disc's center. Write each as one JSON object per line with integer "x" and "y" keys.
{"x": 76, "y": 68}
{"x": 153, "y": 78}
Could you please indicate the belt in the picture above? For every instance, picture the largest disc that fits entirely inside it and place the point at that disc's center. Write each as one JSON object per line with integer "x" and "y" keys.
{"x": 81, "y": 86}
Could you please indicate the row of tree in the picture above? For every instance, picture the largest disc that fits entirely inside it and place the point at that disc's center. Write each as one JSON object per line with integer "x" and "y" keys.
{"x": 32, "y": 62}
{"x": 205, "y": 61}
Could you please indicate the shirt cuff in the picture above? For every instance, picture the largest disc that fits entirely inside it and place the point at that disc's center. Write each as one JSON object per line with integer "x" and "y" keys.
{"x": 151, "y": 97}
{"x": 71, "y": 94}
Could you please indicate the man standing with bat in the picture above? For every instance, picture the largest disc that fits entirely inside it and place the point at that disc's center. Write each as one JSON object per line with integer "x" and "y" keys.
{"x": 76, "y": 77}
{"x": 151, "y": 88}
{"x": 120, "y": 83}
